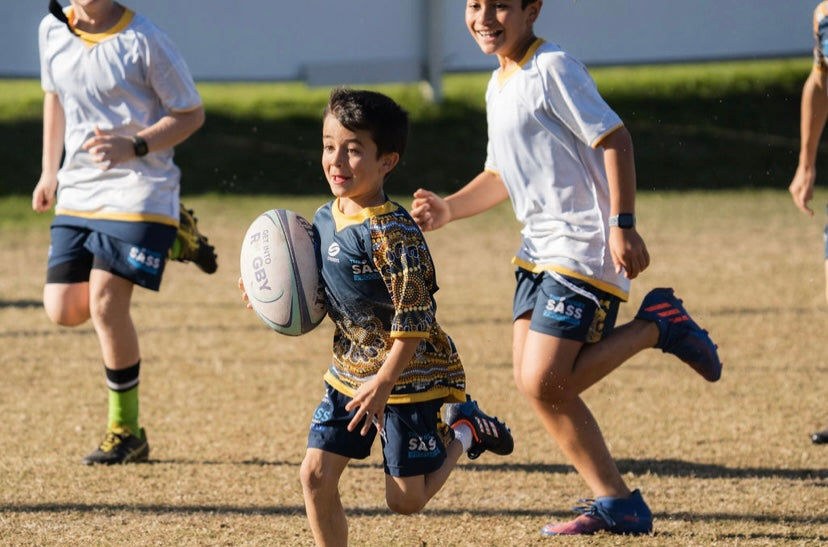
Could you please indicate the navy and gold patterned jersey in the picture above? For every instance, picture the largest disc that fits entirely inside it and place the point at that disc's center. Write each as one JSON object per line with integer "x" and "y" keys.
{"x": 379, "y": 285}
{"x": 821, "y": 36}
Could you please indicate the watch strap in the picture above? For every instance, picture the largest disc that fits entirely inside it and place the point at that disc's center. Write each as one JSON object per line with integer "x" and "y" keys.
{"x": 622, "y": 220}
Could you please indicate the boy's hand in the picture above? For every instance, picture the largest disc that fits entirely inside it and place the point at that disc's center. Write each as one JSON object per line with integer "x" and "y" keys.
{"x": 628, "y": 252}
{"x": 429, "y": 210}
{"x": 43, "y": 196}
{"x": 108, "y": 150}
{"x": 802, "y": 189}
{"x": 244, "y": 294}
{"x": 369, "y": 401}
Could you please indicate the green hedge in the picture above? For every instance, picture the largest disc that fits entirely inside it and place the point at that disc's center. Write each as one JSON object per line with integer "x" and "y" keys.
{"x": 695, "y": 126}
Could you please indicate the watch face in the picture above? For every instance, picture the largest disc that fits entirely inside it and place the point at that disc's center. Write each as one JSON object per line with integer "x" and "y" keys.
{"x": 139, "y": 145}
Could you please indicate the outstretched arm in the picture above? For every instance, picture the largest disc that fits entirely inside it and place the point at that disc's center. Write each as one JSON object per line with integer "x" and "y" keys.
{"x": 431, "y": 212}
{"x": 626, "y": 245}
{"x": 814, "y": 112}
{"x": 372, "y": 396}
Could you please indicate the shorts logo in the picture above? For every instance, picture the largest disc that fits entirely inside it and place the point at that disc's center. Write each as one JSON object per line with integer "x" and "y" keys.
{"x": 422, "y": 447}
{"x": 145, "y": 259}
{"x": 563, "y": 311}
{"x": 323, "y": 411}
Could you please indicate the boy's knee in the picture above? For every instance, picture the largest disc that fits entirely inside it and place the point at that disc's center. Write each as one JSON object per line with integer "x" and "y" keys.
{"x": 311, "y": 476}
{"x": 404, "y": 505}
{"x": 548, "y": 390}
{"x": 66, "y": 307}
{"x": 64, "y": 316}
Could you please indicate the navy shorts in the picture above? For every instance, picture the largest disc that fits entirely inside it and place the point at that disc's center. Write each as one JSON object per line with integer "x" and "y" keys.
{"x": 826, "y": 235}
{"x": 136, "y": 251}
{"x": 411, "y": 441}
{"x": 563, "y": 306}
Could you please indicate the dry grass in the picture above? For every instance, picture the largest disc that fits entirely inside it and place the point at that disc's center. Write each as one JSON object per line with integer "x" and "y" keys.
{"x": 227, "y": 403}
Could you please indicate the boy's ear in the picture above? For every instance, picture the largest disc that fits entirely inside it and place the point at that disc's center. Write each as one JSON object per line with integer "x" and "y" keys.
{"x": 534, "y": 10}
{"x": 389, "y": 161}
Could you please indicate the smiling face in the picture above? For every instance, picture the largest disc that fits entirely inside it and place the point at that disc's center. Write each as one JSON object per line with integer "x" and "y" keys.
{"x": 354, "y": 171}
{"x": 502, "y": 27}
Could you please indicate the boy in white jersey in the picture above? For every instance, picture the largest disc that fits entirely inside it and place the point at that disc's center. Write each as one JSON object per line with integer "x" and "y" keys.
{"x": 814, "y": 114}
{"x": 565, "y": 160}
{"x": 118, "y": 98}
{"x": 393, "y": 367}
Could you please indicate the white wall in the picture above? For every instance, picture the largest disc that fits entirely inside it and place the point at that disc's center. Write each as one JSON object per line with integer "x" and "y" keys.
{"x": 356, "y": 41}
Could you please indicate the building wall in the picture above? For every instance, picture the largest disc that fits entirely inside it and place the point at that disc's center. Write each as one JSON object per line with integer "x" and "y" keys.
{"x": 353, "y": 41}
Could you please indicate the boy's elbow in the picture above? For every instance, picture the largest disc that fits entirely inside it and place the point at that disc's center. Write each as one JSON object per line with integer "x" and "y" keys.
{"x": 199, "y": 117}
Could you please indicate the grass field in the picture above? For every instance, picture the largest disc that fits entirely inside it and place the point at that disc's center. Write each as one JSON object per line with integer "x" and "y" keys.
{"x": 227, "y": 403}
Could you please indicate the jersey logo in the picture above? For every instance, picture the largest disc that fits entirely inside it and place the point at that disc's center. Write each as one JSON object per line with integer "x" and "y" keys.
{"x": 363, "y": 270}
{"x": 333, "y": 250}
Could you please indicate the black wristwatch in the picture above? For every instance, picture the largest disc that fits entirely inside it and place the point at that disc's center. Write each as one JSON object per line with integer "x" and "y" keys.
{"x": 623, "y": 220}
{"x": 139, "y": 145}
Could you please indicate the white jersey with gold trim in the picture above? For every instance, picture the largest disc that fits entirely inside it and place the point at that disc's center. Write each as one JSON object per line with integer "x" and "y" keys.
{"x": 545, "y": 122}
{"x": 123, "y": 80}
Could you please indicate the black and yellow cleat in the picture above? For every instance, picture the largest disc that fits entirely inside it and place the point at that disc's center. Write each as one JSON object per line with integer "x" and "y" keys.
{"x": 192, "y": 246}
{"x": 120, "y": 445}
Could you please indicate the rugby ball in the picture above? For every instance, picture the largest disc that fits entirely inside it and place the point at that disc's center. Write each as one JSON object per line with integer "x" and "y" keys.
{"x": 280, "y": 272}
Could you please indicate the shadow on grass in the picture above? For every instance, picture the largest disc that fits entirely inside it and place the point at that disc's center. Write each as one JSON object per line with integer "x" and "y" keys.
{"x": 660, "y": 468}
{"x": 20, "y": 304}
{"x": 670, "y": 468}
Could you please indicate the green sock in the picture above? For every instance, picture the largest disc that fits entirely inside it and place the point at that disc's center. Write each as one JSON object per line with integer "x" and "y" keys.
{"x": 123, "y": 408}
{"x": 175, "y": 250}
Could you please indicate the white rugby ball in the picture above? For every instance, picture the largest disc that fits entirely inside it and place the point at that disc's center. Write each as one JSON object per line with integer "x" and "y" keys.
{"x": 280, "y": 272}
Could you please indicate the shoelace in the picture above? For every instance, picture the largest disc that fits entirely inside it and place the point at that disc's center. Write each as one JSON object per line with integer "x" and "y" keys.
{"x": 591, "y": 509}
{"x": 111, "y": 440}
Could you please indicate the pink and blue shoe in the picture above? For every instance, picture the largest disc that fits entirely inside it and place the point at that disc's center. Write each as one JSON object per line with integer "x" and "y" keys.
{"x": 679, "y": 335}
{"x": 629, "y": 515}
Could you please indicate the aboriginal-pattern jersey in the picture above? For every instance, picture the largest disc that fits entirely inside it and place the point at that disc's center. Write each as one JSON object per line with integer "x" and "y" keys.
{"x": 379, "y": 285}
{"x": 121, "y": 81}
{"x": 821, "y": 35}
{"x": 546, "y": 121}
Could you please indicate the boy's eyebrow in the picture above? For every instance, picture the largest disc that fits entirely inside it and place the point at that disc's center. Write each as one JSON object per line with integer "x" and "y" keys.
{"x": 355, "y": 140}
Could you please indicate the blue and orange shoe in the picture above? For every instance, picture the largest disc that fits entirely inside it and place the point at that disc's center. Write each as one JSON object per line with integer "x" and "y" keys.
{"x": 613, "y": 515}
{"x": 489, "y": 433}
{"x": 679, "y": 334}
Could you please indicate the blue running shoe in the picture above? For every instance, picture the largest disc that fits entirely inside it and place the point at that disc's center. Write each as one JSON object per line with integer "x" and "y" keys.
{"x": 489, "y": 433}
{"x": 614, "y": 515}
{"x": 679, "y": 334}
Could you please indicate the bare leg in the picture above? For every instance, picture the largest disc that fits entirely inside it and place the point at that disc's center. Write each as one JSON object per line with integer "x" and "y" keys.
{"x": 826, "y": 280}
{"x": 551, "y": 372}
{"x": 320, "y": 473}
{"x": 66, "y": 304}
{"x": 110, "y": 297}
{"x": 408, "y": 495}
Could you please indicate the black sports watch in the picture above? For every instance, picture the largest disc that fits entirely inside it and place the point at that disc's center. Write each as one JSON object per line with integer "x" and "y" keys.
{"x": 139, "y": 145}
{"x": 623, "y": 220}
